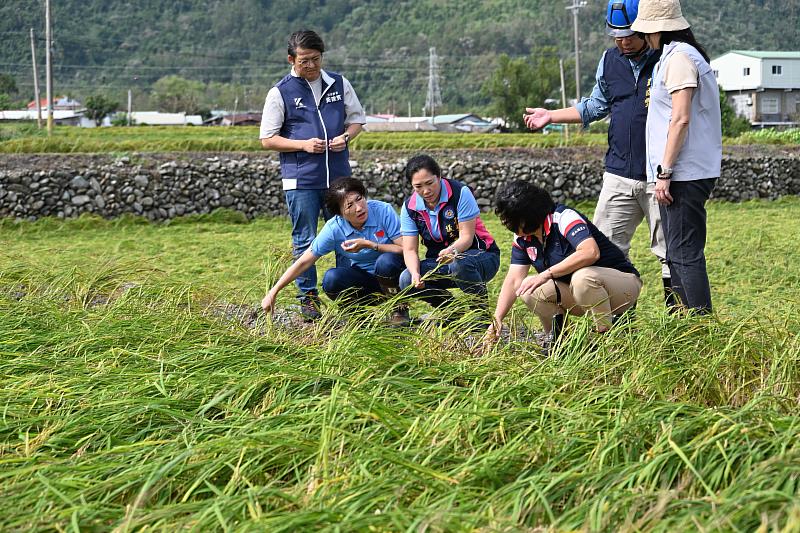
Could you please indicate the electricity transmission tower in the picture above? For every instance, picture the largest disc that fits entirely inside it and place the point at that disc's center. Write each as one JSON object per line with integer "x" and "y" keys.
{"x": 434, "y": 97}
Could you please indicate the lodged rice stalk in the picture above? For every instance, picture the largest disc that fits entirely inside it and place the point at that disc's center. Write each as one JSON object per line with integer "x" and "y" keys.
{"x": 127, "y": 402}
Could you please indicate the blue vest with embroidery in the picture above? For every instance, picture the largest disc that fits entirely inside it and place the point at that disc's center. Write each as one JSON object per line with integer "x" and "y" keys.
{"x": 626, "y": 155}
{"x": 304, "y": 120}
{"x": 448, "y": 225}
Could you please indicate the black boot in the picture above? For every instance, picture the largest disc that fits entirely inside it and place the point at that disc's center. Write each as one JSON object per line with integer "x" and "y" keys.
{"x": 558, "y": 330}
{"x": 671, "y": 300}
{"x": 625, "y": 317}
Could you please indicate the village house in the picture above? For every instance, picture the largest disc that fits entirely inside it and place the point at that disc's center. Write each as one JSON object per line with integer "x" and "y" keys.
{"x": 763, "y": 87}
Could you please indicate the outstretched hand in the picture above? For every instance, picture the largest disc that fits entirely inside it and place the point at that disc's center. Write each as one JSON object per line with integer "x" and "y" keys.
{"x": 268, "y": 304}
{"x": 537, "y": 118}
{"x": 491, "y": 337}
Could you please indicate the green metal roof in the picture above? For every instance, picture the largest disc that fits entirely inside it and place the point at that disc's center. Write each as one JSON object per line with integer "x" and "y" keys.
{"x": 767, "y": 55}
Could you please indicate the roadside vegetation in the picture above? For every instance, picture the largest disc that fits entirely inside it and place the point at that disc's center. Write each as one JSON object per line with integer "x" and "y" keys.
{"x": 138, "y": 391}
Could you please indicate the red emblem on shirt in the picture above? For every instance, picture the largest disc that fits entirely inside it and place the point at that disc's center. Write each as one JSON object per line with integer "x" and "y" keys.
{"x": 380, "y": 234}
{"x": 532, "y": 253}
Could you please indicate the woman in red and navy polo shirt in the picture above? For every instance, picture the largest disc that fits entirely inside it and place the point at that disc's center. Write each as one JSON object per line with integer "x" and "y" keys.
{"x": 578, "y": 268}
{"x": 460, "y": 252}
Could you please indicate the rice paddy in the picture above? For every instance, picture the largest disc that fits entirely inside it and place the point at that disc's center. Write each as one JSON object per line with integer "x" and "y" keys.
{"x": 26, "y": 138}
{"x": 137, "y": 392}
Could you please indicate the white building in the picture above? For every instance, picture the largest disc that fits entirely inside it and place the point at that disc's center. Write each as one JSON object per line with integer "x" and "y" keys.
{"x": 763, "y": 87}
{"x": 155, "y": 118}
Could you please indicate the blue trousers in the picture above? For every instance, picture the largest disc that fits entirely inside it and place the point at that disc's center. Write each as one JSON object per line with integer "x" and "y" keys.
{"x": 305, "y": 206}
{"x": 470, "y": 273}
{"x": 684, "y": 222}
{"x": 358, "y": 284}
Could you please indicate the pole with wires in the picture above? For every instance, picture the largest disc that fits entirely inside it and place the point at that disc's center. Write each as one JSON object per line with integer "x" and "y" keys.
{"x": 575, "y": 7}
{"x": 49, "y": 66}
{"x": 36, "y": 84}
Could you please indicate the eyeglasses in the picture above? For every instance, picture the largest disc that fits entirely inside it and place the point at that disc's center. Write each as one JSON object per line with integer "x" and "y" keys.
{"x": 310, "y": 61}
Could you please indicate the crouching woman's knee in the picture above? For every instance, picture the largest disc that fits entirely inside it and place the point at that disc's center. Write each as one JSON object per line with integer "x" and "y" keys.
{"x": 389, "y": 265}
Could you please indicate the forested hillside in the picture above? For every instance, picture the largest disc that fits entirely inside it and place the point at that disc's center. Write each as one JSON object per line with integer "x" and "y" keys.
{"x": 108, "y": 46}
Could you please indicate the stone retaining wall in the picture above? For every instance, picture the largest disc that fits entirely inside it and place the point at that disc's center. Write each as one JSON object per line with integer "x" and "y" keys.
{"x": 162, "y": 186}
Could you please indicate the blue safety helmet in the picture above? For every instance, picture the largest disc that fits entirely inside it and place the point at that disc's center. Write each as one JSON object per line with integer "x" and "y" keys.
{"x": 620, "y": 15}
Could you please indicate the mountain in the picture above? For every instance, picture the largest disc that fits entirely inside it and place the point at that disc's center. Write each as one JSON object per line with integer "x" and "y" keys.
{"x": 381, "y": 46}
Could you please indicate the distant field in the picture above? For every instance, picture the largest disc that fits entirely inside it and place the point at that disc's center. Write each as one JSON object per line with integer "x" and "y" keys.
{"x": 245, "y": 139}
{"x": 27, "y": 139}
{"x": 133, "y": 398}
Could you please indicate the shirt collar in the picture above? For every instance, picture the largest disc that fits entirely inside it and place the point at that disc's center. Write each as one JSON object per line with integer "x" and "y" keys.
{"x": 546, "y": 227}
{"x": 642, "y": 59}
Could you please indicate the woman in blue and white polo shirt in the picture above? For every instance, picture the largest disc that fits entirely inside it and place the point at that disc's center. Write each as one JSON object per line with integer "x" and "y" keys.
{"x": 365, "y": 235}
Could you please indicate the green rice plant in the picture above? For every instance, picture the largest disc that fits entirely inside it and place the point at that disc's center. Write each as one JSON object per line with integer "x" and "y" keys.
{"x": 149, "y": 409}
{"x": 769, "y": 136}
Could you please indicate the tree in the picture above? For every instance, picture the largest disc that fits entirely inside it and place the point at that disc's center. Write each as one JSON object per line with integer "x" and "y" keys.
{"x": 5, "y": 101}
{"x": 732, "y": 124}
{"x": 523, "y": 82}
{"x": 99, "y": 106}
{"x": 174, "y": 94}
{"x": 8, "y": 90}
{"x": 8, "y": 85}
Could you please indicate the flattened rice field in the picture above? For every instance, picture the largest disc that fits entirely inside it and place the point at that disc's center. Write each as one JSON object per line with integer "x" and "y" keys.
{"x": 137, "y": 392}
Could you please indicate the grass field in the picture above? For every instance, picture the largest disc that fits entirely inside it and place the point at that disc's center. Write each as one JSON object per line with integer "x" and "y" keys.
{"x": 27, "y": 139}
{"x": 130, "y": 401}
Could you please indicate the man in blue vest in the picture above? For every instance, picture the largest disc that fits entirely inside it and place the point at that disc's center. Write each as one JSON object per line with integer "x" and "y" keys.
{"x": 621, "y": 90}
{"x": 310, "y": 117}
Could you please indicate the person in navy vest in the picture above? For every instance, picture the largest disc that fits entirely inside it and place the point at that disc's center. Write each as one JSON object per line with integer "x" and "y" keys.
{"x": 310, "y": 117}
{"x": 444, "y": 215}
{"x": 620, "y": 91}
{"x": 579, "y": 269}
{"x": 366, "y": 234}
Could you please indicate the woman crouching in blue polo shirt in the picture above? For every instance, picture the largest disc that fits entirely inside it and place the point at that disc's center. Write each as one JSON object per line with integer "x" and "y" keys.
{"x": 578, "y": 268}
{"x": 443, "y": 213}
{"x": 365, "y": 235}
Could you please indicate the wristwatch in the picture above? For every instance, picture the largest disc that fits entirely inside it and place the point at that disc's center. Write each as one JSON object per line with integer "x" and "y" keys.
{"x": 664, "y": 173}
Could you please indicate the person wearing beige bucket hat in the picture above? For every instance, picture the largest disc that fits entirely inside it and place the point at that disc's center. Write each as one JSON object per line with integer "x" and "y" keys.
{"x": 683, "y": 137}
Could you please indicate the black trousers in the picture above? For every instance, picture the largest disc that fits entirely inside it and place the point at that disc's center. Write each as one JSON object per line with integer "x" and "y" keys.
{"x": 684, "y": 222}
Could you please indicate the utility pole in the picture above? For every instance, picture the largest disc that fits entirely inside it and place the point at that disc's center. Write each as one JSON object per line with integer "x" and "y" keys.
{"x": 49, "y": 66}
{"x": 563, "y": 95}
{"x": 235, "y": 107}
{"x": 130, "y": 105}
{"x": 36, "y": 84}
{"x": 575, "y": 7}
{"x": 434, "y": 97}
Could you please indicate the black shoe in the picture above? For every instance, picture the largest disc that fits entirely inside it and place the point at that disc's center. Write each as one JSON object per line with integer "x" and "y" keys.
{"x": 309, "y": 307}
{"x": 671, "y": 300}
{"x": 624, "y": 318}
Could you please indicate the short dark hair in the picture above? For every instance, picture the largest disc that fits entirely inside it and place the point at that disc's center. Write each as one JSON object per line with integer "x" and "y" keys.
{"x": 522, "y": 205}
{"x": 339, "y": 190}
{"x": 420, "y": 162}
{"x": 307, "y": 39}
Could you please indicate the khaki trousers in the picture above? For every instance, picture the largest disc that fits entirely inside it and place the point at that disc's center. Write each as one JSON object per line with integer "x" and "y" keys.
{"x": 599, "y": 290}
{"x": 622, "y": 205}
